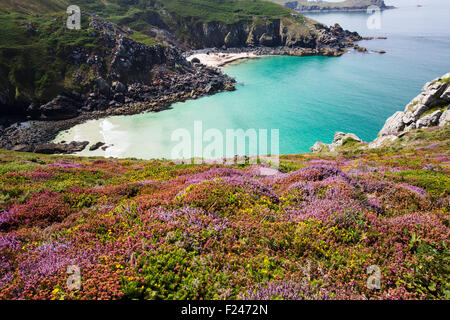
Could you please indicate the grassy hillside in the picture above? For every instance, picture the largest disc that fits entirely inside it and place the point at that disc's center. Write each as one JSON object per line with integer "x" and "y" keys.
{"x": 159, "y": 230}
{"x": 34, "y": 6}
{"x": 33, "y": 53}
{"x": 227, "y": 11}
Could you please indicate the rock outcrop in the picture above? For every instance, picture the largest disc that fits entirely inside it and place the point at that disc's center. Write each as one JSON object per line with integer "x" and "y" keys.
{"x": 425, "y": 110}
{"x": 61, "y": 148}
{"x": 429, "y": 109}
{"x": 126, "y": 77}
{"x": 340, "y": 139}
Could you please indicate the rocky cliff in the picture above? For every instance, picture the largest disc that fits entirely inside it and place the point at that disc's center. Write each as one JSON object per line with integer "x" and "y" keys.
{"x": 295, "y": 31}
{"x": 429, "y": 109}
{"x": 105, "y": 73}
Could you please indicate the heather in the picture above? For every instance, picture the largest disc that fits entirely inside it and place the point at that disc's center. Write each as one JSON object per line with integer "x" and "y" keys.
{"x": 160, "y": 230}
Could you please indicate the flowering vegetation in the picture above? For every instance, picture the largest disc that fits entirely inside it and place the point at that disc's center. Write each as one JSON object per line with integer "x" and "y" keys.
{"x": 159, "y": 230}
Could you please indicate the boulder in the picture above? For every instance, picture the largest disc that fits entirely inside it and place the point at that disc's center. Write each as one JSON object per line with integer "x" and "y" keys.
{"x": 22, "y": 148}
{"x": 60, "y": 108}
{"x": 96, "y": 146}
{"x": 445, "y": 117}
{"x": 103, "y": 86}
{"x": 413, "y": 111}
{"x": 119, "y": 86}
{"x": 378, "y": 142}
{"x": 434, "y": 94}
{"x": 340, "y": 138}
{"x": 319, "y": 147}
{"x": 393, "y": 124}
{"x": 61, "y": 148}
{"x": 446, "y": 94}
{"x": 431, "y": 92}
{"x": 430, "y": 120}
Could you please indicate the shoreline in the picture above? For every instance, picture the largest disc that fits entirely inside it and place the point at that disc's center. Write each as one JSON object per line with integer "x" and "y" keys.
{"x": 220, "y": 59}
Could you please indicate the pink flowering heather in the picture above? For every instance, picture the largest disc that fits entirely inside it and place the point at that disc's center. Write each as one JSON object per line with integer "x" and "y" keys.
{"x": 159, "y": 230}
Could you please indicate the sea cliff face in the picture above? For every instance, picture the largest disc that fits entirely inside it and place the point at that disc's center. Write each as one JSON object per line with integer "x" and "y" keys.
{"x": 104, "y": 74}
{"x": 306, "y": 33}
{"x": 429, "y": 109}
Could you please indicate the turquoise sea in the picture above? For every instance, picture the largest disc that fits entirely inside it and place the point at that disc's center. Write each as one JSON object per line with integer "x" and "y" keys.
{"x": 306, "y": 98}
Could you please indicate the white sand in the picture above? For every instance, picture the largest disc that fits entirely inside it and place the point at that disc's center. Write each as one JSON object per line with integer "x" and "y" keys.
{"x": 220, "y": 59}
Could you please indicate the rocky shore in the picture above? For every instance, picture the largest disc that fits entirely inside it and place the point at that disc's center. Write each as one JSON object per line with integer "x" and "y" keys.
{"x": 30, "y": 135}
{"x": 429, "y": 109}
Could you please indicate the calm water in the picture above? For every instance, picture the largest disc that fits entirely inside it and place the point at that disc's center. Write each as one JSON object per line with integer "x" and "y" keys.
{"x": 306, "y": 98}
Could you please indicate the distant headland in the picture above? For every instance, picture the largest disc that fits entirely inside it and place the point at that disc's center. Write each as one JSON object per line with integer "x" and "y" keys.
{"x": 326, "y": 6}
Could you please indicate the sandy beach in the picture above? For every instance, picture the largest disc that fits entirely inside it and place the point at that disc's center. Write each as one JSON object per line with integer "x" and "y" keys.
{"x": 220, "y": 59}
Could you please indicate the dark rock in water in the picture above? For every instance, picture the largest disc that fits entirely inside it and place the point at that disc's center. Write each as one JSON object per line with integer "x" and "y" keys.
{"x": 106, "y": 147}
{"x": 96, "y": 146}
{"x": 56, "y": 148}
{"x": 360, "y": 49}
{"x": 195, "y": 60}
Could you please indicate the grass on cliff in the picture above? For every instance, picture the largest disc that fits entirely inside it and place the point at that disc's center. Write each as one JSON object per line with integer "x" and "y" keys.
{"x": 133, "y": 11}
{"x": 227, "y": 11}
{"x": 34, "y": 50}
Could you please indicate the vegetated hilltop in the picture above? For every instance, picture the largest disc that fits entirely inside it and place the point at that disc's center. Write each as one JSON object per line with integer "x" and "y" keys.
{"x": 159, "y": 230}
{"x": 328, "y": 6}
{"x": 203, "y": 23}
